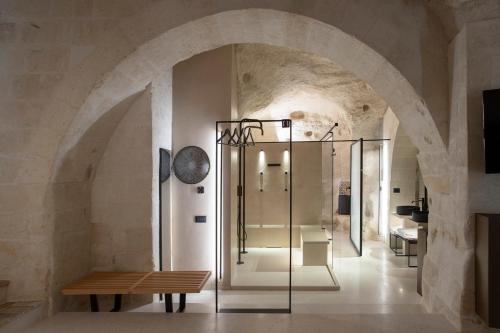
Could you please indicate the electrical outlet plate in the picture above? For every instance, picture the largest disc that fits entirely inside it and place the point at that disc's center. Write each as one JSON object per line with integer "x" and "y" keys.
{"x": 200, "y": 219}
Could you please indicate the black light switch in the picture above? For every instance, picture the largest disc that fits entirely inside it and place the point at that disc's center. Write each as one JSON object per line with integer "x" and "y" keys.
{"x": 200, "y": 219}
{"x": 396, "y": 190}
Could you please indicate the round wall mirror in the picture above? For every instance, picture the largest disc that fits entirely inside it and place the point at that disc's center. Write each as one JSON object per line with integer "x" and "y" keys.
{"x": 191, "y": 165}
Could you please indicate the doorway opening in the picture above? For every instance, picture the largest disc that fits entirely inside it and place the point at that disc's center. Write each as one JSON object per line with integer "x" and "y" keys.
{"x": 309, "y": 124}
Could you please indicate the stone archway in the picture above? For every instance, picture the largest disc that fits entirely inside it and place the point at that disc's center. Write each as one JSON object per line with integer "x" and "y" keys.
{"x": 267, "y": 27}
{"x": 141, "y": 66}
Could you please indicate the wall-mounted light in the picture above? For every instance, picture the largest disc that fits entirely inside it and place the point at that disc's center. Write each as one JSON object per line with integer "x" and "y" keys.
{"x": 286, "y": 159}
{"x": 261, "y": 180}
{"x": 262, "y": 160}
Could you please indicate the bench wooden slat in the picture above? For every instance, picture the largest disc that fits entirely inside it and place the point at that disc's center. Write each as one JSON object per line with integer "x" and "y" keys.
{"x": 104, "y": 283}
{"x": 140, "y": 280}
{"x": 173, "y": 282}
{"x": 101, "y": 283}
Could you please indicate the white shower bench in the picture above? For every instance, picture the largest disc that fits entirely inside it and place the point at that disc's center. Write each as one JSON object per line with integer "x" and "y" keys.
{"x": 314, "y": 244}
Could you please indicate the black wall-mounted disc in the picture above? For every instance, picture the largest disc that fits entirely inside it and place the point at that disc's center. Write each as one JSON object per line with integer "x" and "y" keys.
{"x": 191, "y": 165}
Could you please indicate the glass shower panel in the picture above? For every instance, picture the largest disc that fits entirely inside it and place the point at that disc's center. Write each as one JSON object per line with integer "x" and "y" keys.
{"x": 356, "y": 222}
{"x": 257, "y": 228}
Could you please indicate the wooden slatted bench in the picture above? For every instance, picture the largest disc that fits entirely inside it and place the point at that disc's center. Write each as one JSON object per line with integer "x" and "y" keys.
{"x": 125, "y": 283}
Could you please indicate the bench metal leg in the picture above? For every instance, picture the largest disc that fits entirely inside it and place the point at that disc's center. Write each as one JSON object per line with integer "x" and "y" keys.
{"x": 169, "y": 307}
{"x": 395, "y": 249}
{"x": 411, "y": 255}
{"x": 94, "y": 303}
{"x": 409, "y": 265}
{"x": 118, "y": 303}
{"x": 182, "y": 303}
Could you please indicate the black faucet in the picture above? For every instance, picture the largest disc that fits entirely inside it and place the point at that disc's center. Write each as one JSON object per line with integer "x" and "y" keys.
{"x": 425, "y": 206}
{"x": 418, "y": 203}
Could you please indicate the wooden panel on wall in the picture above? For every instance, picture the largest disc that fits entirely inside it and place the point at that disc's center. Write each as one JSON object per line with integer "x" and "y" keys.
{"x": 487, "y": 271}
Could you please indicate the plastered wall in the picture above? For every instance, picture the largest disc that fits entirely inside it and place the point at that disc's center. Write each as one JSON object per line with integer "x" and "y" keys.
{"x": 201, "y": 96}
{"x": 271, "y": 206}
{"x": 404, "y": 173}
{"x": 161, "y": 120}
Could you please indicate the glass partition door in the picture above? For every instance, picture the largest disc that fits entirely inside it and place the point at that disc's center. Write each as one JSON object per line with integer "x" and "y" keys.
{"x": 356, "y": 222}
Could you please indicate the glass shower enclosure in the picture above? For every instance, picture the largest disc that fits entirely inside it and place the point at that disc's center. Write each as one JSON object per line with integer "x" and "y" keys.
{"x": 268, "y": 184}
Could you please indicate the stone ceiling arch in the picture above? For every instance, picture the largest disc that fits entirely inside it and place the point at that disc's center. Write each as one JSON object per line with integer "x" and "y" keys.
{"x": 264, "y": 26}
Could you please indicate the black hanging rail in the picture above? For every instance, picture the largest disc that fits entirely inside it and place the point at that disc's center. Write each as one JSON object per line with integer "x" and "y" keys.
{"x": 242, "y": 135}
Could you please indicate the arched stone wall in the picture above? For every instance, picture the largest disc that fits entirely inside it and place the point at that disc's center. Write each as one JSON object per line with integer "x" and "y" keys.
{"x": 275, "y": 28}
{"x": 258, "y": 26}
{"x": 70, "y": 204}
{"x": 388, "y": 52}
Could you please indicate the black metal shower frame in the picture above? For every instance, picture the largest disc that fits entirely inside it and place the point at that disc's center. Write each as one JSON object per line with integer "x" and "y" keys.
{"x": 328, "y": 137}
{"x": 362, "y": 141}
{"x": 360, "y": 250}
{"x": 285, "y": 123}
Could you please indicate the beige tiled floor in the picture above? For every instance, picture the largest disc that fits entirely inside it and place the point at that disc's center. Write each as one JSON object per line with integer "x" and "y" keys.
{"x": 9, "y": 311}
{"x": 240, "y": 323}
{"x": 378, "y": 282}
{"x": 378, "y": 294}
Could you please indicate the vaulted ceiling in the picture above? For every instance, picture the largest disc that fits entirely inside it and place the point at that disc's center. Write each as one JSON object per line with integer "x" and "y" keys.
{"x": 276, "y": 83}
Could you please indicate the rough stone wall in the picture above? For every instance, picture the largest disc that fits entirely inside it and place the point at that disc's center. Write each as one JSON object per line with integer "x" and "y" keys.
{"x": 276, "y": 82}
{"x": 70, "y": 200}
{"x": 71, "y": 56}
{"x": 121, "y": 205}
{"x": 475, "y": 67}
{"x": 448, "y": 267}
{"x": 121, "y": 195}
